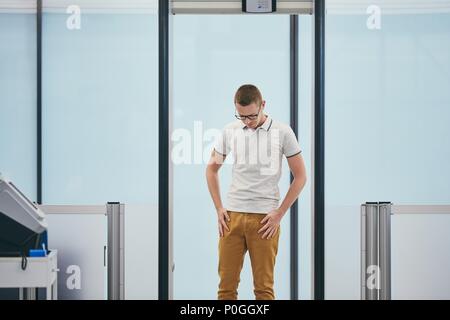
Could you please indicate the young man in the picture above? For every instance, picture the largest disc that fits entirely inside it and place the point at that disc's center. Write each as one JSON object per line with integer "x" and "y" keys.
{"x": 251, "y": 219}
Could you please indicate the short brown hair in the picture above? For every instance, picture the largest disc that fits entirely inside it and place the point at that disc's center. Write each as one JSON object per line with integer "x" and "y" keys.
{"x": 247, "y": 94}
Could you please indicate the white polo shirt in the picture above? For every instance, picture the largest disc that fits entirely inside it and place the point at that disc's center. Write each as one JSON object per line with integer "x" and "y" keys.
{"x": 257, "y": 162}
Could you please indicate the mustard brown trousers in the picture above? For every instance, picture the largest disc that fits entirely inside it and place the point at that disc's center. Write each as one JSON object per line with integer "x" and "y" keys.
{"x": 243, "y": 236}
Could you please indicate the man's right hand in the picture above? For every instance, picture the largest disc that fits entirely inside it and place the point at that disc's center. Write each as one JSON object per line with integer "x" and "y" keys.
{"x": 223, "y": 217}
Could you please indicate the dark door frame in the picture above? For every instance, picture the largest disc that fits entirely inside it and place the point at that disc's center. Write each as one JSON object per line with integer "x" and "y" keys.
{"x": 319, "y": 148}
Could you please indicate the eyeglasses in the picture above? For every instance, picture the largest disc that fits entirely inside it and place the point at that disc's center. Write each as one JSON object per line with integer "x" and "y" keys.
{"x": 249, "y": 117}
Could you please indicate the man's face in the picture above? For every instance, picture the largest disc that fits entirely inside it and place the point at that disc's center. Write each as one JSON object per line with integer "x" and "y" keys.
{"x": 252, "y": 109}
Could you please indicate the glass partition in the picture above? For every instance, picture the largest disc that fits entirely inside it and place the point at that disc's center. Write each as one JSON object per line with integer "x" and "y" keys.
{"x": 387, "y": 98}
{"x": 18, "y": 101}
{"x": 18, "y": 96}
{"x": 100, "y": 119}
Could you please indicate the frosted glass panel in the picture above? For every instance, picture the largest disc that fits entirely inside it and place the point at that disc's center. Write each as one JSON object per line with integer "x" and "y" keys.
{"x": 212, "y": 57}
{"x": 420, "y": 256}
{"x": 18, "y": 100}
{"x": 18, "y": 104}
{"x": 141, "y": 252}
{"x": 387, "y": 129}
{"x": 80, "y": 240}
{"x": 100, "y": 114}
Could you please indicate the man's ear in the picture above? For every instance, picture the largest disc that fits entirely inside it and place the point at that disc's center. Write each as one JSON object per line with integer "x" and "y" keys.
{"x": 263, "y": 103}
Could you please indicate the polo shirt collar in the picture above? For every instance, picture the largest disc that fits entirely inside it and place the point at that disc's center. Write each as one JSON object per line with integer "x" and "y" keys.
{"x": 266, "y": 125}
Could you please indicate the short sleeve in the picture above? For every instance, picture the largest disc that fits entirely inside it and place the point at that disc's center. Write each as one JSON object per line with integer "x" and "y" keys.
{"x": 291, "y": 146}
{"x": 222, "y": 145}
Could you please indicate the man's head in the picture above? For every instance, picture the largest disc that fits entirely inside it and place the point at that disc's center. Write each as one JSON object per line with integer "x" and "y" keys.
{"x": 249, "y": 105}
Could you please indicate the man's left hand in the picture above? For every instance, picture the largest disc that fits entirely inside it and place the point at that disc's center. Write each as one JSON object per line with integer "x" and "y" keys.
{"x": 271, "y": 224}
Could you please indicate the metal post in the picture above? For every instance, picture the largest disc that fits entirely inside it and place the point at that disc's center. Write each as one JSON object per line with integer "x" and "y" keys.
{"x": 116, "y": 274}
{"x": 164, "y": 274}
{"x": 318, "y": 240}
{"x": 371, "y": 263}
{"x": 376, "y": 251}
{"x": 363, "y": 251}
{"x": 30, "y": 294}
{"x": 384, "y": 250}
{"x": 39, "y": 156}
{"x": 294, "y": 124}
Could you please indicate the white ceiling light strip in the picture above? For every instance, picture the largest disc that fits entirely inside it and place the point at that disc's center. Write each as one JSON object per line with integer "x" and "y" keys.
{"x": 18, "y": 6}
{"x": 355, "y": 7}
{"x": 87, "y": 6}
